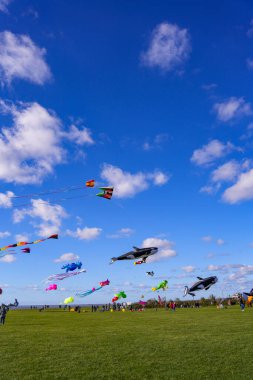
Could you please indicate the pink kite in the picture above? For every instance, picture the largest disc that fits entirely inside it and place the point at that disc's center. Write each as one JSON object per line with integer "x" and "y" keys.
{"x": 143, "y": 303}
{"x": 104, "y": 283}
{"x": 52, "y": 287}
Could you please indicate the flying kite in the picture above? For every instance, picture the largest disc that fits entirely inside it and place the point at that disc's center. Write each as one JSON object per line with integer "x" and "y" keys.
{"x": 106, "y": 192}
{"x": 203, "y": 283}
{"x": 250, "y": 293}
{"x": 142, "y": 303}
{"x": 21, "y": 243}
{"x": 62, "y": 276}
{"x": 90, "y": 183}
{"x": 162, "y": 285}
{"x": 137, "y": 253}
{"x": 118, "y": 296}
{"x": 52, "y": 287}
{"x": 73, "y": 266}
{"x": 104, "y": 283}
{"x": 12, "y": 252}
{"x": 68, "y": 300}
{"x": 150, "y": 274}
{"x": 1, "y": 290}
{"x": 88, "y": 292}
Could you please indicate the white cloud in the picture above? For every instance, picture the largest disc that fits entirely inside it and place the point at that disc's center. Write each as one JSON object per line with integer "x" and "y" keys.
{"x": 242, "y": 190}
{"x": 165, "y": 249}
{"x": 249, "y": 62}
{"x": 127, "y": 184}
{"x": 189, "y": 269}
{"x": 209, "y": 87}
{"x": 211, "y": 152}
{"x": 159, "y": 178}
{"x": 169, "y": 47}
{"x": 8, "y": 259}
{"x": 250, "y": 30}
{"x": 232, "y": 108}
{"x": 210, "y": 189}
{"x": 66, "y": 257}
{"x": 6, "y": 199}
{"x": 50, "y": 215}
{"x": 4, "y": 234}
{"x": 220, "y": 241}
{"x": 31, "y": 147}
{"x": 21, "y": 58}
{"x": 21, "y": 237}
{"x": 80, "y": 136}
{"x": 226, "y": 172}
{"x": 156, "y": 143}
{"x": 207, "y": 239}
{"x": 225, "y": 267}
{"x": 85, "y": 233}
{"x": 4, "y": 5}
{"x": 122, "y": 233}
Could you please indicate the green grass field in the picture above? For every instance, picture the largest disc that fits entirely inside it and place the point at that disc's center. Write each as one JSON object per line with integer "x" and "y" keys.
{"x": 188, "y": 344}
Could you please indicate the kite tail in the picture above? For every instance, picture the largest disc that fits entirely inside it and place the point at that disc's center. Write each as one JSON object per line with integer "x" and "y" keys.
{"x": 186, "y": 290}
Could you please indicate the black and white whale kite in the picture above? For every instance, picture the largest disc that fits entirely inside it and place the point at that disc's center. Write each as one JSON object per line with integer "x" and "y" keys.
{"x": 203, "y": 283}
{"x": 137, "y": 253}
{"x": 250, "y": 293}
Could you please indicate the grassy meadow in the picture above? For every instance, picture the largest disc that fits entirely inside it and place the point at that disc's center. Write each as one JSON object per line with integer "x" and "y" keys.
{"x": 188, "y": 344}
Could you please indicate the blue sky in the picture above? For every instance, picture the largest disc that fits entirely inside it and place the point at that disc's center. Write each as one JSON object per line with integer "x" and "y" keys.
{"x": 154, "y": 99}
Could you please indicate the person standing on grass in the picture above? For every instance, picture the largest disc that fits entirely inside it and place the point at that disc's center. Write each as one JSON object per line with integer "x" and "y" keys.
{"x": 242, "y": 303}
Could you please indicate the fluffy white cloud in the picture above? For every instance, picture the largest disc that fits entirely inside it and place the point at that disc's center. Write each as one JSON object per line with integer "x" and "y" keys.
{"x": 50, "y": 216}
{"x": 31, "y": 147}
{"x": 226, "y": 172}
{"x": 6, "y": 198}
{"x": 66, "y": 257}
{"x": 8, "y": 259}
{"x": 169, "y": 47}
{"x": 21, "y": 58}
{"x": 189, "y": 269}
{"x": 127, "y": 184}
{"x": 85, "y": 233}
{"x": 211, "y": 152}
{"x": 4, "y": 234}
{"x": 122, "y": 233}
{"x": 159, "y": 178}
{"x": 242, "y": 190}
{"x": 165, "y": 249}
{"x": 80, "y": 136}
{"x": 232, "y": 108}
{"x": 4, "y": 5}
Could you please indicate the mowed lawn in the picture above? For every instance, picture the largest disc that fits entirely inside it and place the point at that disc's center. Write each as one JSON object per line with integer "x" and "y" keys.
{"x": 188, "y": 344}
